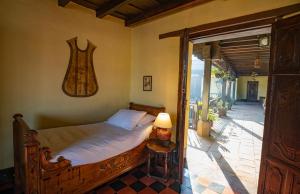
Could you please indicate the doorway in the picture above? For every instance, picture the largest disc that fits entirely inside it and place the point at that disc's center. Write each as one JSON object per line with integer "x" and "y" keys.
{"x": 280, "y": 156}
{"x": 252, "y": 91}
{"x": 232, "y": 147}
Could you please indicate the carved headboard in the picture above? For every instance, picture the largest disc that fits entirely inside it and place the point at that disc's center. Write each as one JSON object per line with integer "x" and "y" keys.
{"x": 149, "y": 109}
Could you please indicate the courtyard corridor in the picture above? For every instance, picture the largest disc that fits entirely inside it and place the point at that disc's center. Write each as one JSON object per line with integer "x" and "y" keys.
{"x": 228, "y": 161}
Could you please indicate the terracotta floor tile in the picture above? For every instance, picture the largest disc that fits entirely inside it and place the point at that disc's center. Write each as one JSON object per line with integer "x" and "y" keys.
{"x": 228, "y": 190}
{"x": 168, "y": 191}
{"x": 147, "y": 180}
{"x": 147, "y": 190}
{"x": 170, "y": 181}
{"x": 203, "y": 181}
{"x": 129, "y": 179}
{"x": 208, "y": 191}
{"x": 231, "y": 155}
{"x": 127, "y": 190}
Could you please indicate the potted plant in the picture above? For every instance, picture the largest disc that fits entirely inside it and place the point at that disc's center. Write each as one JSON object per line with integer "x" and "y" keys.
{"x": 211, "y": 117}
{"x": 222, "y": 110}
{"x": 229, "y": 104}
{"x": 204, "y": 126}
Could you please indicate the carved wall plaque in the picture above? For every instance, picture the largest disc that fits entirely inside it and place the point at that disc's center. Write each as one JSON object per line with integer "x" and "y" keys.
{"x": 80, "y": 79}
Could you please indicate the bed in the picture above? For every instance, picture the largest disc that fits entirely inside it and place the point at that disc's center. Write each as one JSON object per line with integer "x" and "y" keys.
{"x": 68, "y": 164}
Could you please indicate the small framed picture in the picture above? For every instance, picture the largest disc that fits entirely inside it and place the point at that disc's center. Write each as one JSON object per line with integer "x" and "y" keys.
{"x": 147, "y": 83}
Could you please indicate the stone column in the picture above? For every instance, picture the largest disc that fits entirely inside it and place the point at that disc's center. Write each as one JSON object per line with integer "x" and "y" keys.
{"x": 203, "y": 125}
{"x": 233, "y": 91}
{"x": 224, "y": 90}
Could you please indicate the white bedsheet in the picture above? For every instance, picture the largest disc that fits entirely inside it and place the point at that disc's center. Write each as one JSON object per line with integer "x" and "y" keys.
{"x": 84, "y": 144}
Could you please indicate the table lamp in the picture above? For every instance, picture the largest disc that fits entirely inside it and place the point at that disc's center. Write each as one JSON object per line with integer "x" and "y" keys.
{"x": 163, "y": 125}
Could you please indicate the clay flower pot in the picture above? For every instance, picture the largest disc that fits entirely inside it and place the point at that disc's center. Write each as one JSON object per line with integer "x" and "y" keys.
{"x": 222, "y": 112}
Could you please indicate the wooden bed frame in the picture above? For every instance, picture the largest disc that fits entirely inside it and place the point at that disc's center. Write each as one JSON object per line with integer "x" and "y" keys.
{"x": 34, "y": 173}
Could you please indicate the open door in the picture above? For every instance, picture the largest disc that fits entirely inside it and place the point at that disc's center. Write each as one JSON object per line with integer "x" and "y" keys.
{"x": 252, "y": 91}
{"x": 280, "y": 165}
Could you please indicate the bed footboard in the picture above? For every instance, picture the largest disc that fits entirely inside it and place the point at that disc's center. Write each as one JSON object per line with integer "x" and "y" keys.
{"x": 31, "y": 161}
{"x": 35, "y": 174}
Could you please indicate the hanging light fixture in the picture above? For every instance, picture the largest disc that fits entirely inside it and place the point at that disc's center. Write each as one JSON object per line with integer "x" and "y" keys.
{"x": 253, "y": 75}
{"x": 264, "y": 41}
{"x": 257, "y": 62}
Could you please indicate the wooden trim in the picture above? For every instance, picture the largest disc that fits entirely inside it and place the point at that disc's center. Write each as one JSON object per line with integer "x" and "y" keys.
{"x": 162, "y": 10}
{"x": 110, "y": 7}
{"x": 149, "y": 109}
{"x": 171, "y": 34}
{"x": 181, "y": 101}
{"x": 274, "y": 13}
{"x": 234, "y": 28}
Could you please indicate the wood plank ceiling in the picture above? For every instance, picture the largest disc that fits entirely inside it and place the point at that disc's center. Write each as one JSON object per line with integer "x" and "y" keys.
{"x": 135, "y": 11}
{"x": 245, "y": 55}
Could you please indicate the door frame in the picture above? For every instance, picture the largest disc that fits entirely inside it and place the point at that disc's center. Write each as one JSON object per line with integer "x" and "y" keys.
{"x": 248, "y": 82}
{"x": 239, "y": 24}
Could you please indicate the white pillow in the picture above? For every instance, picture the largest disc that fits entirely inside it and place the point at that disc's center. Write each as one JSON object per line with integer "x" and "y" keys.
{"x": 125, "y": 118}
{"x": 146, "y": 120}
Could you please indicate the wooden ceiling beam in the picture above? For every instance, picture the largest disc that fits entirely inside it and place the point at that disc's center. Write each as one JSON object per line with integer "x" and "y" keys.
{"x": 239, "y": 44}
{"x": 249, "y": 73}
{"x": 63, "y": 3}
{"x": 244, "y": 51}
{"x": 136, "y": 7}
{"x": 242, "y": 39}
{"x": 86, "y": 4}
{"x": 250, "y": 54}
{"x": 110, "y": 7}
{"x": 247, "y": 58}
{"x": 162, "y": 10}
{"x": 119, "y": 15}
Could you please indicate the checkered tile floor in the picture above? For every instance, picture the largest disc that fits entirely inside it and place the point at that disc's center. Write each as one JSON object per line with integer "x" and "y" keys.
{"x": 137, "y": 181}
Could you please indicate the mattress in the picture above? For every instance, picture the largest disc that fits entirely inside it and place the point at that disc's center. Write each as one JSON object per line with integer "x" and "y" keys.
{"x": 85, "y": 144}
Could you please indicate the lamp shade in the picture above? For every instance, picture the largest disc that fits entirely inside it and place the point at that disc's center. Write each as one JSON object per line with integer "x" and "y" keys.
{"x": 163, "y": 121}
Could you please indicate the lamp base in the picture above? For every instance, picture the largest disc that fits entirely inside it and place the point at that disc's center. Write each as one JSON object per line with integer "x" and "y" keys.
{"x": 164, "y": 143}
{"x": 163, "y": 134}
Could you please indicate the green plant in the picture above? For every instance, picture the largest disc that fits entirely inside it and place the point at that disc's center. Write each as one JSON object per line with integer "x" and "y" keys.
{"x": 220, "y": 73}
{"x": 199, "y": 103}
{"x": 221, "y": 104}
{"x": 211, "y": 115}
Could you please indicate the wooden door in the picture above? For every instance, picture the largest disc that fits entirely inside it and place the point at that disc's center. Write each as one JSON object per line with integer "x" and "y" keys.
{"x": 280, "y": 164}
{"x": 252, "y": 90}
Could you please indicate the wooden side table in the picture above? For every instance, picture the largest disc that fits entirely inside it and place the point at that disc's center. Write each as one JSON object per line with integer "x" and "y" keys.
{"x": 158, "y": 150}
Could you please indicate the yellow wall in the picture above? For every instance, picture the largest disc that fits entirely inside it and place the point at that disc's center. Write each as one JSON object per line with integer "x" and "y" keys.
{"x": 159, "y": 58}
{"x": 242, "y": 86}
{"x": 34, "y": 57}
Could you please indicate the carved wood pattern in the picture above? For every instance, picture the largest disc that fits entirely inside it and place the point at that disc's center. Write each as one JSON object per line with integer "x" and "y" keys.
{"x": 287, "y": 54}
{"x": 286, "y": 127}
{"x": 79, "y": 179}
{"x": 280, "y": 165}
{"x": 39, "y": 175}
{"x": 274, "y": 180}
{"x": 32, "y": 172}
{"x": 80, "y": 79}
{"x": 295, "y": 185}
